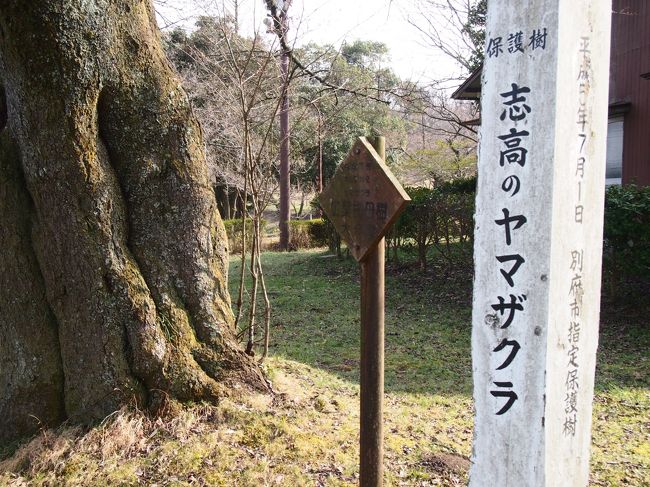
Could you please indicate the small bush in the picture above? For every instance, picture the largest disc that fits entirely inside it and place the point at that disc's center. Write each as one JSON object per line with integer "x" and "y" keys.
{"x": 442, "y": 218}
{"x": 233, "y": 230}
{"x": 627, "y": 231}
{"x": 306, "y": 234}
{"x": 459, "y": 186}
{"x": 319, "y": 232}
{"x": 331, "y": 237}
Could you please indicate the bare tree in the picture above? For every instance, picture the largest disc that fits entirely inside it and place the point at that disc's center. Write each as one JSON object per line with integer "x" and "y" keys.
{"x": 279, "y": 23}
{"x": 453, "y": 27}
{"x": 234, "y": 84}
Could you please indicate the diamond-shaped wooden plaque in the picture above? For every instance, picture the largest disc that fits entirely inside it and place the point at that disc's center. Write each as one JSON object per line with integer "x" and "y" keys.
{"x": 363, "y": 199}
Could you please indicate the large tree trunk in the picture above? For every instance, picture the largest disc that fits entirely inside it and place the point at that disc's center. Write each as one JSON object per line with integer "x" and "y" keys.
{"x": 113, "y": 262}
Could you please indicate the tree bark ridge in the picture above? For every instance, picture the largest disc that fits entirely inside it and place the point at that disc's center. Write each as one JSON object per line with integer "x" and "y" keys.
{"x": 125, "y": 228}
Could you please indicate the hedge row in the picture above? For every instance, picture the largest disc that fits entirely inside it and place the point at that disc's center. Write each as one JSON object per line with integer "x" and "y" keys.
{"x": 442, "y": 218}
{"x": 626, "y": 249}
{"x": 306, "y": 234}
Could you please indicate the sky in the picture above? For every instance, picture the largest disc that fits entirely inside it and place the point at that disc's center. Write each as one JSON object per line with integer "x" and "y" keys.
{"x": 333, "y": 22}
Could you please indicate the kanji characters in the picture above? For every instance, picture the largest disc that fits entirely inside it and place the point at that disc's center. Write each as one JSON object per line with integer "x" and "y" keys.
{"x": 513, "y": 152}
{"x": 538, "y": 39}
{"x": 495, "y": 47}
{"x": 517, "y": 109}
{"x": 515, "y": 42}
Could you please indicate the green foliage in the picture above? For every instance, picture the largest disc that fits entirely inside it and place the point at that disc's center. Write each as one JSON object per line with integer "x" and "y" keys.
{"x": 364, "y": 53}
{"x": 364, "y": 108}
{"x": 459, "y": 186}
{"x": 475, "y": 30}
{"x": 444, "y": 160}
{"x": 319, "y": 232}
{"x": 332, "y": 238}
{"x": 233, "y": 230}
{"x": 212, "y": 59}
{"x": 627, "y": 231}
{"x": 307, "y": 234}
{"x": 213, "y": 56}
{"x": 441, "y": 217}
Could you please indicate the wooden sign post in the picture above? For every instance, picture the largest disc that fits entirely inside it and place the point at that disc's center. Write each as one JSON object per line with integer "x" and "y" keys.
{"x": 363, "y": 200}
{"x": 538, "y": 240}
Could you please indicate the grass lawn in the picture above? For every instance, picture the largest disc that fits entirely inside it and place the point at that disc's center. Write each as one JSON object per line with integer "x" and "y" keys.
{"x": 308, "y": 433}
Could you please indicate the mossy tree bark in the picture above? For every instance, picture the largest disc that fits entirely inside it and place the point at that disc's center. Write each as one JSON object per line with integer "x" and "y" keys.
{"x": 113, "y": 262}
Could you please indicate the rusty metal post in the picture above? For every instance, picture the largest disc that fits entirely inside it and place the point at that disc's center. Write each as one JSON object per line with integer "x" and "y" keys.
{"x": 372, "y": 359}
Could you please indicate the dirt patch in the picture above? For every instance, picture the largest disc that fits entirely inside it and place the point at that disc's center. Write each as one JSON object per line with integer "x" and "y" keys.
{"x": 447, "y": 463}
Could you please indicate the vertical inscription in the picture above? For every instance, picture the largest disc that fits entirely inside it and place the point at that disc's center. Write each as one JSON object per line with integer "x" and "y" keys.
{"x": 538, "y": 240}
{"x": 575, "y": 286}
{"x": 513, "y": 157}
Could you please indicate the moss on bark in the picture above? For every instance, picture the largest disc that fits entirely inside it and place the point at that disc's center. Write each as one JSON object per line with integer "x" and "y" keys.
{"x": 123, "y": 249}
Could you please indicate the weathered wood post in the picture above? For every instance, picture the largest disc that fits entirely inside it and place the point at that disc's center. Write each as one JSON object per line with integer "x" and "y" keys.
{"x": 363, "y": 200}
{"x": 372, "y": 358}
{"x": 538, "y": 240}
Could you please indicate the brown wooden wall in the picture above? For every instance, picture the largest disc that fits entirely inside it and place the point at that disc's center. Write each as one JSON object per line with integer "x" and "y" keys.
{"x": 630, "y": 59}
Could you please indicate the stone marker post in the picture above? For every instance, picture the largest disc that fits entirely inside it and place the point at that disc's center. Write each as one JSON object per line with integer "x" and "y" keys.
{"x": 538, "y": 242}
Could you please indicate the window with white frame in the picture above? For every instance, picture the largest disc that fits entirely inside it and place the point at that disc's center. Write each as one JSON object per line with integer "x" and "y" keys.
{"x": 614, "y": 168}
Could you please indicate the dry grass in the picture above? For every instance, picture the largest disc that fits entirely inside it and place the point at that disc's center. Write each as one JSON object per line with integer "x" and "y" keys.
{"x": 307, "y": 435}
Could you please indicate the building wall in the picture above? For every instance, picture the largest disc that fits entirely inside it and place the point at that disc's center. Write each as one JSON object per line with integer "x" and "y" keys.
{"x": 631, "y": 59}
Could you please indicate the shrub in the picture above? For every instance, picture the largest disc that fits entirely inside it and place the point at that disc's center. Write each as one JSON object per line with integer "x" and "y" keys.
{"x": 443, "y": 218}
{"x": 459, "y": 186}
{"x": 627, "y": 231}
{"x": 418, "y": 222}
{"x": 319, "y": 232}
{"x": 307, "y": 234}
{"x": 233, "y": 231}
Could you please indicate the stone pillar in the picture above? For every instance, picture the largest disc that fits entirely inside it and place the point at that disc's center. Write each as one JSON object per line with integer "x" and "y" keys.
{"x": 538, "y": 241}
